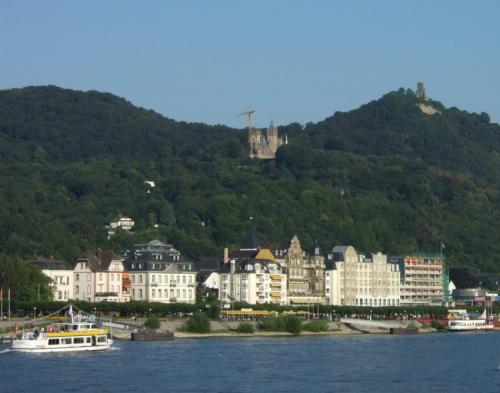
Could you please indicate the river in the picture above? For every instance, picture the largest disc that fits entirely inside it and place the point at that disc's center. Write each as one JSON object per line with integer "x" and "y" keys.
{"x": 445, "y": 362}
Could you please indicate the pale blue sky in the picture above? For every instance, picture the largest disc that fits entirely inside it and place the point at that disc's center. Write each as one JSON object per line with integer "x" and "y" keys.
{"x": 292, "y": 60}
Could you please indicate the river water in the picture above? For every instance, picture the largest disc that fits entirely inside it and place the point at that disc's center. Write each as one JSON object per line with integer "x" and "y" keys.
{"x": 446, "y": 362}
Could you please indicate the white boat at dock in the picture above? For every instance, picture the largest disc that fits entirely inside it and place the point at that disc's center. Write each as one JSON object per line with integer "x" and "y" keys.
{"x": 462, "y": 321}
{"x": 78, "y": 334}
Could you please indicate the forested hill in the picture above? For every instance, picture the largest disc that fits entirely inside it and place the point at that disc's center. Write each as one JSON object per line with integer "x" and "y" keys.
{"x": 383, "y": 177}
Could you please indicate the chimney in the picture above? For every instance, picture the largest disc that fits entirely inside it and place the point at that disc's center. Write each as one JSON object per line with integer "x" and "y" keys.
{"x": 226, "y": 254}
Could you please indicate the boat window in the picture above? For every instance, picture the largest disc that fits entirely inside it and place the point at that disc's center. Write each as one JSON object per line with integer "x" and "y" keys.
{"x": 66, "y": 340}
{"x": 75, "y": 327}
{"x": 88, "y": 339}
{"x": 78, "y": 340}
{"x": 101, "y": 339}
{"x": 54, "y": 341}
{"x": 93, "y": 326}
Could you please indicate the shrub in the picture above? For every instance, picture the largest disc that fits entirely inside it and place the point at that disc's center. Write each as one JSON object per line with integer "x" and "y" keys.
{"x": 436, "y": 324}
{"x": 245, "y": 327}
{"x": 152, "y": 322}
{"x": 282, "y": 324}
{"x": 293, "y": 324}
{"x": 198, "y": 323}
{"x": 320, "y": 325}
{"x": 273, "y": 324}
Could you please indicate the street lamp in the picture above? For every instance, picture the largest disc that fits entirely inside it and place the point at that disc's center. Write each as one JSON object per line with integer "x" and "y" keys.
{"x": 95, "y": 311}
{"x": 34, "y": 312}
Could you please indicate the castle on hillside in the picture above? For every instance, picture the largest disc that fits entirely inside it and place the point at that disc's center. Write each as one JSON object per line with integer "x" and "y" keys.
{"x": 262, "y": 145}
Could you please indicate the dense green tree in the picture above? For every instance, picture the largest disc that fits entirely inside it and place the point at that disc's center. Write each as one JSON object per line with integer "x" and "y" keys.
{"x": 382, "y": 177}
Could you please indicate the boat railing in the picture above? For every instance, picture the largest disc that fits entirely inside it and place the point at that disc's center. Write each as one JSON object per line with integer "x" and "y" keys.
{"x": 34, "y": 335}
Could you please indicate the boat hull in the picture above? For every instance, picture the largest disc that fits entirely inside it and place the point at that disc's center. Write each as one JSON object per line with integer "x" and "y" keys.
{"x": 67, "y": 349}
{"x": 486, "y": 328}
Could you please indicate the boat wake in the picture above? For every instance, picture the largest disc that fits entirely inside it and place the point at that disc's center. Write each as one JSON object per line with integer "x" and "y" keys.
{"x": 5, "y": 350}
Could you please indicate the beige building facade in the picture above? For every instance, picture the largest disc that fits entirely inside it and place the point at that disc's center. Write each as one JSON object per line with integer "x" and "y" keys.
{"x": 354, "y": 280}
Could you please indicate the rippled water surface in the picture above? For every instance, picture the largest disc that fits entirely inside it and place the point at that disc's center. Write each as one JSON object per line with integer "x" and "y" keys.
{"x": 365, "y": 363}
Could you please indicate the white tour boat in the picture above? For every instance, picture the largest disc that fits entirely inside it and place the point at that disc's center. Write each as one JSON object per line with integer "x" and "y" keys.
{"x": 78, "y": 334}
{"x": 461, "y": 321}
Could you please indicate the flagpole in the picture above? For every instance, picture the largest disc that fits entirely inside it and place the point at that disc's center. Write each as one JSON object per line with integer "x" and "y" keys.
{"x": 1, "y": 304}
{"x": 8, "y": 299}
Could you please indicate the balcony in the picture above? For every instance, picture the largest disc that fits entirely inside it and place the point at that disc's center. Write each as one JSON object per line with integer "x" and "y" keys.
{"x": 192, "y": 284}
{"x": 154, "y": 284}
{"x": 173, "y": 283}
{"x": 106, "y": 294}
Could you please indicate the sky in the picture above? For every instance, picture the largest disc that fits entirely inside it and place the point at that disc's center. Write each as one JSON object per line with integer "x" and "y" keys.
{"x": 290, "y": 60}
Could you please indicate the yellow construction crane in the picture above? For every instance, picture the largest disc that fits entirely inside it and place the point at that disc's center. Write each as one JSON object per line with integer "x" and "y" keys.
{"x": 249, "y": 114}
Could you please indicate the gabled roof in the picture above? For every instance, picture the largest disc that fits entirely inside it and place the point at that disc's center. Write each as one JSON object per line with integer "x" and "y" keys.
{"x": 339, "y": 249}
{"x": 172, "y": 268}
{"x": 241, "y": 254}
{"x": 100, "y": 260}
{"x": 265, "y": 254}
{"x": 52, "y": 264}
{"x": 156, "y": 243}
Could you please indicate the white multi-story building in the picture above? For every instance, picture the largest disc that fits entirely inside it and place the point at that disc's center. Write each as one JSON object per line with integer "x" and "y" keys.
{"x": 121, "y": 223}
{"x": 101, "y": 276}
{"x": 253, "y": 281}
{"x": 61, "y": 275}
{"x": 158, "y": 273}
{"x": 354, "y": 280}
{"x": 423, "y": 279}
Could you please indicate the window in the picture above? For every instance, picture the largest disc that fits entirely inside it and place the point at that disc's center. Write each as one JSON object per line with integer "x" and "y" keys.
{"x": 66, "y": 340}
{"x": 140, "y": 293}
{"x": 183, "y": 279}
{"x": 153, "y": 279}
{"x": 53, "y": 341}
{"x": 100, "y": 276}
{"x": 77, "y": 289}
{"x": 153, "y": 293}
{"x": 140, "y": 278}
{"x": 89, "y": 289}
{"x": 88, "y": 339}
{"x": 77, "y": 277}
{"x": 78, "y": 340}
{"x": 101, "y": 339}
{"x": 88, "y": 276}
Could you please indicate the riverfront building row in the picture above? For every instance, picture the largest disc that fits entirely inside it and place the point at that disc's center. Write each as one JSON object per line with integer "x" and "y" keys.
{"x": 278, "y": 273}
{"x": 151, "y": 272}
{"x": 286, "y": 274}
